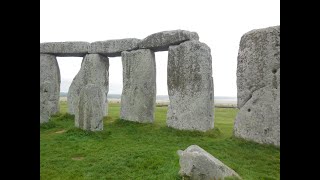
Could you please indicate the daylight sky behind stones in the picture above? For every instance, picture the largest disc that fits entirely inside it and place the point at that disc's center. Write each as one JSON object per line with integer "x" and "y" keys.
{"x": 220, "y": 24}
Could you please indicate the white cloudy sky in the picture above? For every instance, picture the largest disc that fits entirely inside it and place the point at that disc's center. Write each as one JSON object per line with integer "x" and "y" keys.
{"x": 219, "y": 23}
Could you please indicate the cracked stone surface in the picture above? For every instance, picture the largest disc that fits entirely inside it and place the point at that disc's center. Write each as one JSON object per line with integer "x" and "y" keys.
{"x": 190, "y": 87}
{"x": 113, "y": 48}
{"x": 162, "y": 40}
{"x": 94, "y": 70}
{"x": 90, "y": 108}
{"x": 197, "y": 164}
{"x": 65, "y": 49}
{"x": 138, "y": 97}
{"x": 49, "y": 86}
{"x": 258, "y": 82}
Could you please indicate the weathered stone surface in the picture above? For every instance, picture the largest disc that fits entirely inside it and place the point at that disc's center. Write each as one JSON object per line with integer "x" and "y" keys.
{"x": 162, "y": 40}
{"x": 113, "y": 48}
{"x": 197, "y": 164}
{"x": 65, "y": 49}
{"x": 94, "y": 70}
{"x": 190, "y": 87}
{"x": 139, "y": 86}
{"x": 258, "y": 81}
{"x": 49, "y": 86}
{"x": 90, "y": 108}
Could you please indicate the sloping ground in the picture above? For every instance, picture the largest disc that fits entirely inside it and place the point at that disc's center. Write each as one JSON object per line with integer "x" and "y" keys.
{"x": 127, "y": 150}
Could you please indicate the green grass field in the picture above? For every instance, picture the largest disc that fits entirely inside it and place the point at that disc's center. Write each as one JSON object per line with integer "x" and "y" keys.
{"x": 127, "y": 150}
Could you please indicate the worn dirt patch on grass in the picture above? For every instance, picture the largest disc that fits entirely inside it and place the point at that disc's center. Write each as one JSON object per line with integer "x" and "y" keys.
{"x": 79, "y": 158}
{"x": 60, "y": 132}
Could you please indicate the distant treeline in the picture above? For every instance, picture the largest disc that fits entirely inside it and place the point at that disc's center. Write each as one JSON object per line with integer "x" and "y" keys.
{"x": 159, "y": 97}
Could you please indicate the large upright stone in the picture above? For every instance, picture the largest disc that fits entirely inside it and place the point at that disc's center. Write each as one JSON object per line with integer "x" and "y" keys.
{"x": 65, "y": 49}
{"x": 190, "y": 87}
{"x": 94, "y": 70}
{"x": 49, "y": 86}
{"x": 258, "y": 81}
{"x": 197, "y": 164}
{"x": 139, "y": 86}
{"x": 113, "y": 48}
{"x": 162, "y": 40}
{"x": 90, "y": 108}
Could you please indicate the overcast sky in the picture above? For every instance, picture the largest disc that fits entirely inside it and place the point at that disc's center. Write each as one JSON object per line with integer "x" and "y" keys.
{"x": 219, "y": 23}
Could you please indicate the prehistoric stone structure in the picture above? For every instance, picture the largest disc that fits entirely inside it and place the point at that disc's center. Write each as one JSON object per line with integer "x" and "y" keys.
{"x": 139, "y": 86}
{"x": 49, "y": 86}
{"x": 189, "y": 77}
{"x": 90, "y": 108}
{"x": 197, "y": 164}
{"x": 258, "y": 81}
{"x": 94, "y": 70}
{"x": 190, "y": 87}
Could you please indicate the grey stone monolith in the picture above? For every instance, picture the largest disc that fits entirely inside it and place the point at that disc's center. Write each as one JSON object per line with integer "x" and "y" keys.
{"x": 90, "y": 108}
{"x": 49, "y": 86}
{"x": 258, "y": 84}
{"x": 190, "y": 87}
{"x": 139, "y": 86}
{"x": 94, "y": 70}
{"x": 65, "y": 49}
{"x": 113, "y": 48}
{"x": 162, "y": 40}
{"x": 197, "y": 164}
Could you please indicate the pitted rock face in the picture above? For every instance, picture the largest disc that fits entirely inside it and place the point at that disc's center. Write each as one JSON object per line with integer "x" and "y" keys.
{"x": 113, "y": 48}
{"x": 139, "y": 86}
{"x": 162, "y": 40}
{"x": 190, "y": 87}
{"x": 90, "y": 108}
{"x": 94, "y": 70}
{"x": 197, "y": 164}
{"x": 65, "y": 49}
{"x": 258, "y": 82}
{"x": 49, "y": 86}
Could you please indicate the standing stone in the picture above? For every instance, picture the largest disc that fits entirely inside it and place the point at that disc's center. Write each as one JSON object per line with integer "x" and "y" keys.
{"x": 90, "y": 108}
{"x": 190, "y": 87}
{"x": 94, "y": 70}
{"x": 49, "y": 86}
{"x": 258, "y": 82}
{"x": 139, "y": 86}
{"x": 162, "y": 40}
{"x": 197, "y": 164}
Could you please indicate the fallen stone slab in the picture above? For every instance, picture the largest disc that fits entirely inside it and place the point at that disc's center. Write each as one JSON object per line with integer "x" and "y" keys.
{"x": 94, "y": 70}
{"x": 90, "y": 108}
{"x": 162, "y": 40}
{"x": 65, "y": 49}
{"x": 197, "y": 164}
{"x": 113, "y": 48}
{"x": 49, "y": 86}
{"x": 258, "y": 86}
{"x": 190, "y": 87}
{"x": 138, "y": 97}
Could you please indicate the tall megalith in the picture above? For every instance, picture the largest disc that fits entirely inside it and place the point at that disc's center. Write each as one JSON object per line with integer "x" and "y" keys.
{"x": 94, "y": 70}
{"x": 49, "y": 86}
{"x": 190, "y": 87}
{"x": 258, "y": 86}
{"x": 90, "y": 108}
{"x": 139, "y": 86}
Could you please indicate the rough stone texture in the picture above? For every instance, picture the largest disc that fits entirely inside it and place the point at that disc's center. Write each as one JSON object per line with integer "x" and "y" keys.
{"x": 94, "y": 70}
{"x": 190, "y": 87}
{"x": 162, "y": 40}
{"x": 90, "y": 108}
{"x": 197, "y": 164}
{"x": 65, "y": 49}
{"x": 258, "y": 81}
{"x": 139, "y": 86}
{"x": 113, "y": 48}
{"x": 49, "y": 86}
